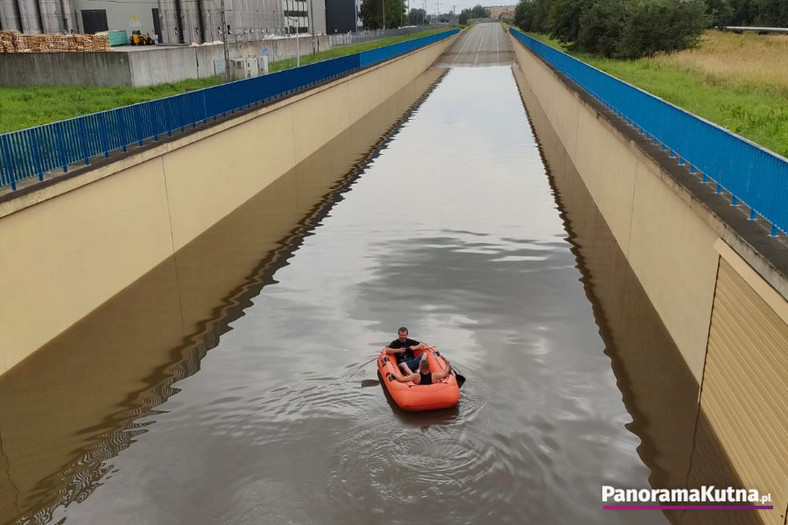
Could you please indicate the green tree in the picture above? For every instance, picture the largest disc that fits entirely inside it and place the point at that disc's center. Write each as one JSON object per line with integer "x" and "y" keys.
{"x": 656, "y": 26}
{"x": 524, "y": 15}
{"x": 772, "y": 13}
{"x": 479, "y": 12}
{"x": 417, "y": 17}
{"x": 542, "y": 15}
{"x": 532, "y": 15}
{"x": 744, "y": 12}
{"x": 720, "y": 12}
{"x": 371, "y": 13}
{"x": 464, "y": 17}
{"x": 601, "y": 26}
{"x": 564, "y": 18}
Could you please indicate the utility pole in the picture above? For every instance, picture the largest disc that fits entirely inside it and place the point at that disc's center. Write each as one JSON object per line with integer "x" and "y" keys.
{"x": 298, "y": 42}
{"x": 384, "y": 15}
{"x": 312, "y": 25}
{"x": 226, "y": 45}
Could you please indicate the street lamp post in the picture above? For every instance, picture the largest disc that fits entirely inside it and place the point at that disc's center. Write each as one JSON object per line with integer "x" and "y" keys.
{"x": 226, "y": 46}
{"x": 298, "y": 40}
{"x": 312, "y": 24}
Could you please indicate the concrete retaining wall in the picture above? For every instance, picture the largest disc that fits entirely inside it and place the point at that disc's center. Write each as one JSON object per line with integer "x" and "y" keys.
{"x": 705, "y": 269}
{"x": 76, "y": 243}
{"x": 141, "y": 67}
{"x": 670, "y": 248}
{"x": 67, "y": 69}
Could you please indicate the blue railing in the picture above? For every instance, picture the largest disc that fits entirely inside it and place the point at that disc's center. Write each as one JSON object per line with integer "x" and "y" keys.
{"x": 35, "y": 151}
{"x": 754, "y": 176}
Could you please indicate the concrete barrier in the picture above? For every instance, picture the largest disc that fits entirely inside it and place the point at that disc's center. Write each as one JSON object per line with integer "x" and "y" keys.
{"x": 76, "y": 243}
{"x": 717, "y": 283}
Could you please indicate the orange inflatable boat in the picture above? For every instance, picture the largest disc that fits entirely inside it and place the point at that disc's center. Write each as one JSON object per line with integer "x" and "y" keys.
{"x": 413, "y": 397}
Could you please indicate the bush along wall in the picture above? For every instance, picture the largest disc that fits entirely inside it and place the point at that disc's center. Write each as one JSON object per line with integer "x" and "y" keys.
{"x": 617, "y": 28}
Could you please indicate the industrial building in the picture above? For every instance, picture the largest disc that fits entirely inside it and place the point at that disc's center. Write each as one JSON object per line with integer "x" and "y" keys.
{"x": 171, "y": 21}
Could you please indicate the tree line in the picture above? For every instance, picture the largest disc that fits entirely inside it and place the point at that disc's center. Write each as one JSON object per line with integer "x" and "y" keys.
{"x": 639, "y": 28}
{"x": 383, "y": 14}
{"x": 768, "y": 13}
{"x": 477, "y": 12}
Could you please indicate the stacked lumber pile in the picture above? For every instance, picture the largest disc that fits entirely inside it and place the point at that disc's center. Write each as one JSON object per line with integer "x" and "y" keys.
{"x": 10, "y": 41}
{"x": 15, "y": 42}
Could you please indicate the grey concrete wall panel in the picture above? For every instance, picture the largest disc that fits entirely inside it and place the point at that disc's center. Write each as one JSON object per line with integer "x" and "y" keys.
{"x": 191, "y": 22}
{"x": 186, "y": 22}
{"x": 51, "y": 16}
{"x": 241, "y": 10}
{"x": 9, "y": 18}
{"x": 204, "y": 57}
{"x": 319, "y": 17}
{"x": 170, "y": 24}
{"x": 74, "y": 69}
{"x": 65, "y": 13}
{"x": 173, "y": 65}
{"x": 28, "y": 11}
{"x": 212, "y": 19}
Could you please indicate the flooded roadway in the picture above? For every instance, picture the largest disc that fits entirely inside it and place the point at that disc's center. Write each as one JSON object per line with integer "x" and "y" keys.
{"x": 236, "y": 383}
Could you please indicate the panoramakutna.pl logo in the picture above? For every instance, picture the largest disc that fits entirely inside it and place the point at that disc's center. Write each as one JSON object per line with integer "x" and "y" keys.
{"x": 703, "y": 498}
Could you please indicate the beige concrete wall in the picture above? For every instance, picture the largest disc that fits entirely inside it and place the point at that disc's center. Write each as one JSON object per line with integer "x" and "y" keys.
{"x": 67, "y": 248}
{"x": 66, "y": 256}
{"x": 669, "y": 246}
{"x": 744, "y": 385}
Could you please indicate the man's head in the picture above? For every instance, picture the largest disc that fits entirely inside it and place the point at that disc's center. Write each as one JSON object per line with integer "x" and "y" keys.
{"x": 424, "y": 366}
{"x": 402, "y": 333}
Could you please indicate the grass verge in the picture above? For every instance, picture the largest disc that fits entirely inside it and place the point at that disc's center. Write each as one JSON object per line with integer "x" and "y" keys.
{"x": 27, "y": 106}
{"x": 747, "y": 98}
{"x": 24, "y": 107}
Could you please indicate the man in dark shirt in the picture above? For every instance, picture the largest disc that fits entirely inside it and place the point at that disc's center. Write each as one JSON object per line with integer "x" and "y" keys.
{"x": 403, "y": 348}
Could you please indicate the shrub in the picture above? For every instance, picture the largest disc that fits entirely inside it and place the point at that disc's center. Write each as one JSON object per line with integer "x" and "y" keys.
{"x": 601, "y": 26}
{"x": 532, "y": 15}
{"x": 720, "y": 12}
{"x": 564, "y": 19}
{"x": 654, "y": 26}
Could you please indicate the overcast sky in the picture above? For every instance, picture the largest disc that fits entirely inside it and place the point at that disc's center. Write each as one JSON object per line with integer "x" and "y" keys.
{"x": 448, "y": 5}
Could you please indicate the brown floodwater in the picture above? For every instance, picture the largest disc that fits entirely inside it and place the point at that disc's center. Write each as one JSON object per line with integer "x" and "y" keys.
{"x": 236, "y": 382}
